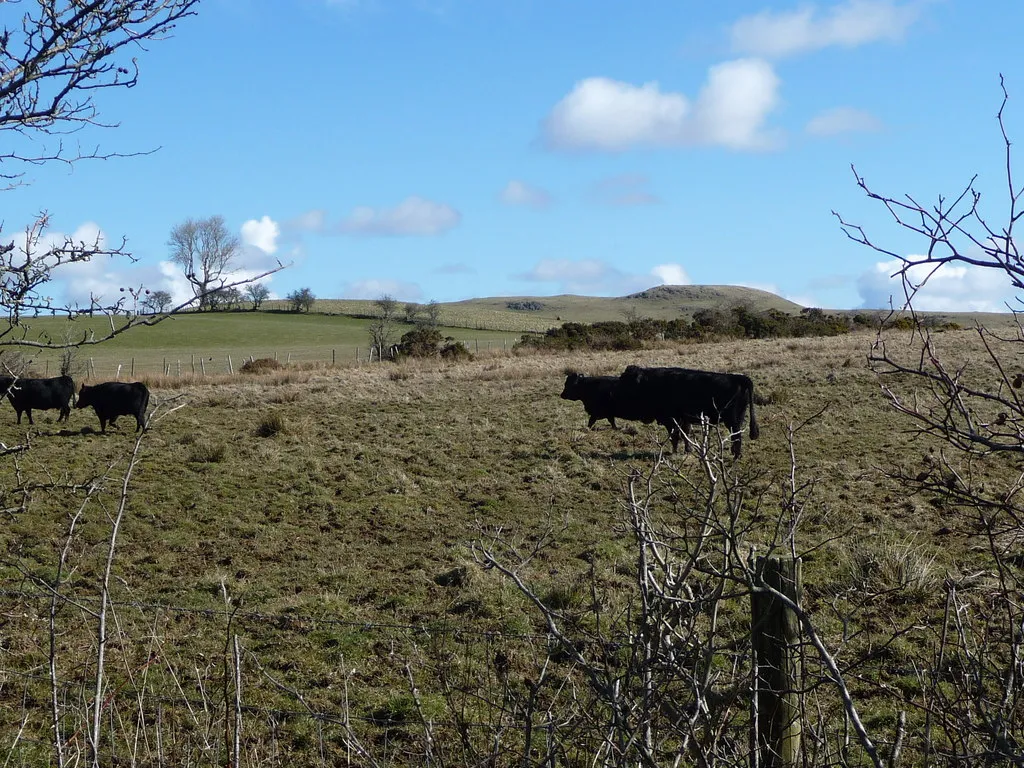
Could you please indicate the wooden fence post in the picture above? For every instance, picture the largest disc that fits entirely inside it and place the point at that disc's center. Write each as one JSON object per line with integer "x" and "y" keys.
{"x": 775, "y": 632}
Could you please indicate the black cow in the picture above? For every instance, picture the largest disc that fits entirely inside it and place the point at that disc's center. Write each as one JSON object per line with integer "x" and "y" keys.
{"x": 597, "y": 393}
{"x": 679, "y": 397}
{"x": 116, "y": 398}
{"x": 40, "y": 394}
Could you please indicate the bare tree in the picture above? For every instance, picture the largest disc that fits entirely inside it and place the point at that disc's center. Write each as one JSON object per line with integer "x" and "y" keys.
{"x": 206, "y": 251}
{"x": 668, "y": 677}
{"x": 974, "y": 688}
{"x": 382, "y": 328}
{"x": 301, "y": 300}
{"x": 432, "y": 313}
{"x": 158, "y": 301}
{"x": 412, "y": 311}
{"x": 54, "y": 60}
{"x": 224, "y": 298}
{"x": 58, "y": 56}
{"x": 387, "y": 306}
{"x": 257, "y": 293}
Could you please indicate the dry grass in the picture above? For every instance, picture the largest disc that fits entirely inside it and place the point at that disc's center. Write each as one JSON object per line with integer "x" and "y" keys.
{"x": 352, "y": 493}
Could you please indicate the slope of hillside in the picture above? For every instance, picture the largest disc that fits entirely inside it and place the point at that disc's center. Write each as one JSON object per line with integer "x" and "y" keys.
{"x": 536, "y": 314}
{"x": 523, "y": 314}
{"x": 664, "y": 302}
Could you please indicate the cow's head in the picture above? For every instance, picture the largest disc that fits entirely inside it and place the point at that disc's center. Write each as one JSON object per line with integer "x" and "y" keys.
{"x": 84, "y": 397}
{"x": 571, "y": 390}
{"x": 633, "y": 374}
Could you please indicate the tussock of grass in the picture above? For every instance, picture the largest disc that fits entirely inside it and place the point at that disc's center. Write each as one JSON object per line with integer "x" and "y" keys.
{"x": 208, "y": 452}
{"x": 903, "y": 567}
{"x": 271, "y": 424}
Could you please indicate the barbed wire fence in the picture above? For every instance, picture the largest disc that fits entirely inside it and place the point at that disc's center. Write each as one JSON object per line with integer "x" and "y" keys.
{"x": 220, "y": 362}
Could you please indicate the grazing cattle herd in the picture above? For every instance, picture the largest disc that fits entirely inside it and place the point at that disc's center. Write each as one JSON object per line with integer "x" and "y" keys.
{"x": 674, "y": 397}
{"x": 109, "y": 399}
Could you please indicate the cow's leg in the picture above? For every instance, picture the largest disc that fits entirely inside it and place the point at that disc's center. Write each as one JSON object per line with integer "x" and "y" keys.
{"x": 593, "y": 420}
{"x": 673, "y": 434}
{"x": 611, "y": 420}
{"x": 29, "y": 412}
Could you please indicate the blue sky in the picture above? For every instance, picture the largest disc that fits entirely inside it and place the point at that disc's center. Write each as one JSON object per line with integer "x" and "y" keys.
{"x": 450, "y": 149}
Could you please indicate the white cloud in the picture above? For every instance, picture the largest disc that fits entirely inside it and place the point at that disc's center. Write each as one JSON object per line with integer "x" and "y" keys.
{"x": 953, "y": 288}
{"x": 609, "y": 115}
{"x": 413, "y": 216}
{"x": 374, "y": 289}
{"x": 849, "y": 24}
{"x": 843, "y": 120}
{"x": 626, "y": 189}
{"x": 519, "y": 193}
{"x": 261, "y": 233}
{"x": 593, "y": 277}
{"x": 671, "y": 274}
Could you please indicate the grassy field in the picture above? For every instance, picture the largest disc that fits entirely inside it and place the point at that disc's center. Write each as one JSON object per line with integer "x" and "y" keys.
{"x": 323, "y": 518}
{"x": 203, "y": 341}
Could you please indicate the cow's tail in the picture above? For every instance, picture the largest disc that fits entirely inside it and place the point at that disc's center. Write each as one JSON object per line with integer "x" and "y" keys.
{"x": 755, "y": 431}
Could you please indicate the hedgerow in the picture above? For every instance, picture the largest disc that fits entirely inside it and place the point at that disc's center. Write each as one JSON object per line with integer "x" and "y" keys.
{"x": 707, "y": 325}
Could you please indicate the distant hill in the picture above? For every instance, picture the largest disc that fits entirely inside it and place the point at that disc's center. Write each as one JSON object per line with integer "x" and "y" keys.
{"x": 522, "y": 314}
{"x": 538, "y": 313}
{"x": 664, "y": 302}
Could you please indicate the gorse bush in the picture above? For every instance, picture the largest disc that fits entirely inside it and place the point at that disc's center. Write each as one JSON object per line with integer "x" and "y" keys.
{"x": 455, "y": 351}
{"x": 420, "y": 342}
{"x": 425, "y": 341}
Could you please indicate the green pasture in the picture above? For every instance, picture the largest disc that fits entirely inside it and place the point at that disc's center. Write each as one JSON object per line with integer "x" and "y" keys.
{"x": 203, "y": 342}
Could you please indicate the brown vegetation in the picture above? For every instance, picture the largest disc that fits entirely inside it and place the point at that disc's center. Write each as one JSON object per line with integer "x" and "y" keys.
{"x": 365, "y": 501}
